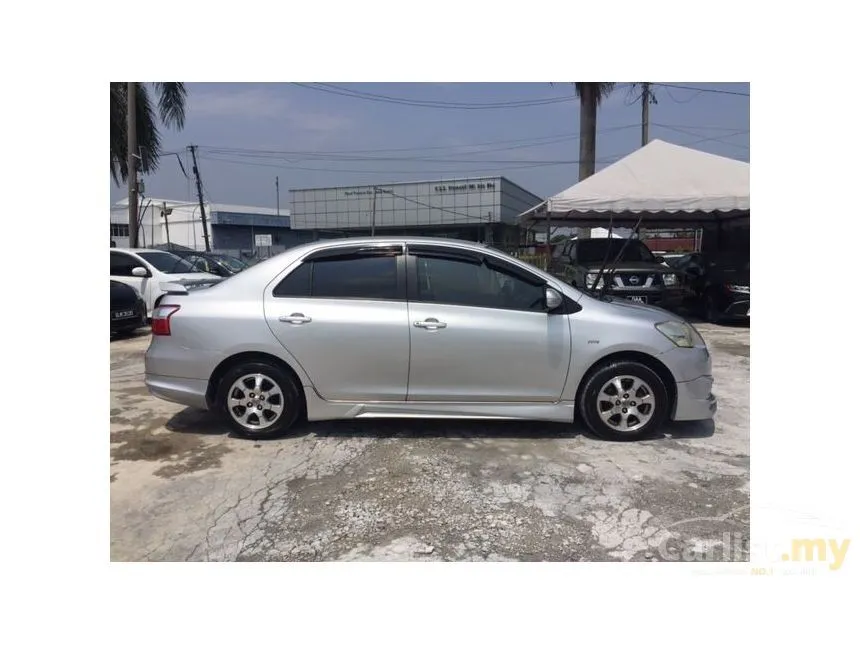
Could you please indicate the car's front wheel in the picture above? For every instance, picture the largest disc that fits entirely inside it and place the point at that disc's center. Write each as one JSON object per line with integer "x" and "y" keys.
{"x": 259, "y": 400}
{"x": 624, "y": 401}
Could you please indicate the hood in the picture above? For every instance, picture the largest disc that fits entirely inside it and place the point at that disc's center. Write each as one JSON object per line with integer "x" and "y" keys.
{"x": 631, "y": 267}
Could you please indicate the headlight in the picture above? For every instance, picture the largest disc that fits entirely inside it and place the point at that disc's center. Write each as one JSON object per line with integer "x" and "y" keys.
{"x": 680, "y": 333}
{"x": 738, "y": 288}
{"x": 670, "y": 279}
{"x": 590, "y": 278}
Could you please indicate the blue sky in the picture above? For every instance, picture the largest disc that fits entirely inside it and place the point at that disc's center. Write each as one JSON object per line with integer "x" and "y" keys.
{"x": 250, "y": 133}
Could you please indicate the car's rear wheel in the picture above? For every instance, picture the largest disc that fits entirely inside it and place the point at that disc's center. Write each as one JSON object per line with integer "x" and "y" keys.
{"x": 624, "y": 401}
{"x": 259, "y": 400}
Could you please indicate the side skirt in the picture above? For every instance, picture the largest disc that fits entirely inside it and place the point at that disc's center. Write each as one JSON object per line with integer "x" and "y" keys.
{"x": 320, "y": 410}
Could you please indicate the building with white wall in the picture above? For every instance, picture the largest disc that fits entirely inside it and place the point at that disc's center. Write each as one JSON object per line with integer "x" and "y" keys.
{"x": 229, "y": 226}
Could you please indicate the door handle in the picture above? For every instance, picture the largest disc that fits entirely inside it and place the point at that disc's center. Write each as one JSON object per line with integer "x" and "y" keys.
{"x": 430, "y": 323}
{"x": 295, "y": 319}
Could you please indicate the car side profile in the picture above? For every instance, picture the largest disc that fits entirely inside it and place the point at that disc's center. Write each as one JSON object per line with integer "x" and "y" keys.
{"x": 421, "y": 328}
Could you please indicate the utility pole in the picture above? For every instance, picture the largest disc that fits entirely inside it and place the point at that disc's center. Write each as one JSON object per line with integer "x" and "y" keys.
{"x": 131, "y": 144}
{"x": 373, "y": 215}
{"x": 193, "y": 150}
{"x": 164, "y": 213}
{"x": 278, "y": 195}
{"x": 646, "y": 102}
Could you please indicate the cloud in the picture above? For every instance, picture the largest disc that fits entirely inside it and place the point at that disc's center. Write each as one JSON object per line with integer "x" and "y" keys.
{"x": 261, "y": 103}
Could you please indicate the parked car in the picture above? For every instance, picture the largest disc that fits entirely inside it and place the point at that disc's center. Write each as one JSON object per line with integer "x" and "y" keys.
{"x": 393, "y": 327}
{"x": 149, "y": 272}
{"x": 127, "y": 308}
{"x": 717, "y": 286}
{"x": 637, "y": 275}
{"x": 215, "y": 263}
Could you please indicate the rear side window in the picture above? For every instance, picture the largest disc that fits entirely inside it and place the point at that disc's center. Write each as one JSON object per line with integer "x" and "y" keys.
{"x": 296, "y": 285}
{"x": 365, "y": 277}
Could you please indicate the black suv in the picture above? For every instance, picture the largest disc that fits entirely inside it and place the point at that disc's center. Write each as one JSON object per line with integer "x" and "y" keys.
{"x": 637, "y": 274}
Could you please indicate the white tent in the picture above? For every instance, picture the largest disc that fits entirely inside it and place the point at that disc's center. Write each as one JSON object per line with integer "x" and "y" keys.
{"x": 661, "y": 183}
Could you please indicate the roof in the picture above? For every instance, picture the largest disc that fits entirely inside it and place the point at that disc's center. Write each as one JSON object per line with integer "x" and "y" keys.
{"x": 211, "y": 207}
{"x": 654, "y": 182}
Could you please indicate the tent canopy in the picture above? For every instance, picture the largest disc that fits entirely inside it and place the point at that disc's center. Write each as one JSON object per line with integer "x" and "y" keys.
{"x": 663, "y": 183}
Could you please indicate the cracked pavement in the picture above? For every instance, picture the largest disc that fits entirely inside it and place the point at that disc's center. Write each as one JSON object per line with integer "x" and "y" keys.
{"x": 184, "y": 488}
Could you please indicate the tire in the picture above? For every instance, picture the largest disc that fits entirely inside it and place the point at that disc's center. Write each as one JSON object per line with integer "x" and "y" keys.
{"x": 599, "y": 393}
{"x": 262, "y": 420}
{"x": 712, "y": 314}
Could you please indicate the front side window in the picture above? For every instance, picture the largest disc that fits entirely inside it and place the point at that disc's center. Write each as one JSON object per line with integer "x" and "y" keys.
{"x": 475, "y": 284}
{"x": 350, "y": 276}
{"x": 122, "y": 264}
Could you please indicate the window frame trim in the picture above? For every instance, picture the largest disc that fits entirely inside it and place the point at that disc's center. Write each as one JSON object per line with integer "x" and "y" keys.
{"x": 414, "y": 251}
{"x": 334, "y": 254}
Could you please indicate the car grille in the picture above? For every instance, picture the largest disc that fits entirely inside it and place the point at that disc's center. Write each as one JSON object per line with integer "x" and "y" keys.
{"x": 636, "y": 280}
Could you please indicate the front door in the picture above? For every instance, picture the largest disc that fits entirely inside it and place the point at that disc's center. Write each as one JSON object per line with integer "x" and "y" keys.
{"x": 121, "y": 266}
{"x": 479, "y": 330}
{"x": 342, "y": 315}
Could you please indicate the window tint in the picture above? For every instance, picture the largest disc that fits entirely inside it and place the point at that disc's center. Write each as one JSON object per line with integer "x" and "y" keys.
{"x": 122, "y": 264}
{"x": 373, "y": 277}
{"x": 456, "y": 282}
{"x": 370, "y": 277}
{"x": 296, "y": 285}
{"x": 167, "y": 262}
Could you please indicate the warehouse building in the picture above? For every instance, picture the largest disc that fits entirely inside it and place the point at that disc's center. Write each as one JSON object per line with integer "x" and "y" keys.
{"x": 483, "y": 209}
{"x": 229, "y": 226}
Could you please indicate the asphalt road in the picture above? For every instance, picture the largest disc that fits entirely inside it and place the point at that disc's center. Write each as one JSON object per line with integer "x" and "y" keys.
{"x": 184, "y": 488}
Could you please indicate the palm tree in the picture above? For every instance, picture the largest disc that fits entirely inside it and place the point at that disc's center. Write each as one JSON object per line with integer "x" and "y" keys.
{"x": 171, "y": 110}
{"x": 590, "y": 96}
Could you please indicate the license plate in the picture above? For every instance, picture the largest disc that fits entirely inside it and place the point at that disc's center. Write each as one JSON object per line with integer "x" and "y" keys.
{"x": 118, "y": 315}
{"x": 641, "y": 299}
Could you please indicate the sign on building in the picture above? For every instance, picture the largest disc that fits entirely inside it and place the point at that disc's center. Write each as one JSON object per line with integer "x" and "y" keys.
{"x": 263, "y": 240}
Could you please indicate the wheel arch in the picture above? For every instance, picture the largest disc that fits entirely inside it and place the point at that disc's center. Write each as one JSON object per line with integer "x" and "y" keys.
{"x": 246, "y": 357}
{"x": 647, "y": 360}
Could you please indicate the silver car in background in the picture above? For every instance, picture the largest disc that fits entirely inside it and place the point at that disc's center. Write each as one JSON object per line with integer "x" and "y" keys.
{"x": 422, "y": 328}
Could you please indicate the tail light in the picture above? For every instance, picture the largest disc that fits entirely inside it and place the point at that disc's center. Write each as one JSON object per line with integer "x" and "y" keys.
{"x": 161, "y": 319}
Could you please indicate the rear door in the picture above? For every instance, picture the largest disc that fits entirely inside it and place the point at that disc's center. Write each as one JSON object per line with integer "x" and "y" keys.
{"x": 479, "y": 330}
{"x": 342, "y": 314}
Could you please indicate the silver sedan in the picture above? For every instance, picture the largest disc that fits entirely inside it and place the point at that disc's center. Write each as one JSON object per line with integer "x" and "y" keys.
{"x": 422, "y": 328}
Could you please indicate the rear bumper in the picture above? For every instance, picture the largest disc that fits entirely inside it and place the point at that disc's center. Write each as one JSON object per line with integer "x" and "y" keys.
{"x": 695, "y": 400}
{"x": 184, "y": 391}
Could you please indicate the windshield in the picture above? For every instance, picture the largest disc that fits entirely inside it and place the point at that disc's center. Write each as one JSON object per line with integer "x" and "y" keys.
{"x": 167, "y": 262}
{"x": 231, "y": 263}
{"x": 594, "y": 251}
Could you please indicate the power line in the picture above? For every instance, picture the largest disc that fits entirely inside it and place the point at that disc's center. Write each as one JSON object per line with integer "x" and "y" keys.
{"x": 333, "y": 155}
{"x": 701, "y": 89}
{"x": 720, "y": 138}
{"x": 447, "y": 105}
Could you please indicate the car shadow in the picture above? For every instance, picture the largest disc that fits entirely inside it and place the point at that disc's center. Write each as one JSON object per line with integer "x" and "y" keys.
{"x": 193, "y": 421}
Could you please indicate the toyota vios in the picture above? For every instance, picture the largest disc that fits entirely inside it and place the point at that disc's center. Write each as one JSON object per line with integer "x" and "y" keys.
{"x": 421, "y": 328}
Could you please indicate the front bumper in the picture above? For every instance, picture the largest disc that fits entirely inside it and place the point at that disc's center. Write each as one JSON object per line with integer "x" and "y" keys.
{"x": 695, "y": 400}
{"x": 184, "y": 391}
{"x": 691, "y": 368}
{"x": 665, "y": 298}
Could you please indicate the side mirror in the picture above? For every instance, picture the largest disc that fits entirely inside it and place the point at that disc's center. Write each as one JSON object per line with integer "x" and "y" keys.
{"x": 552, "y": 298}
{"x": 139, "y": 272}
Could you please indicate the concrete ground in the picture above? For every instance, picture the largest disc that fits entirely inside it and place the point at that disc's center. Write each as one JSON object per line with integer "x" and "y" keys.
{"x": 183, "y": 488}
